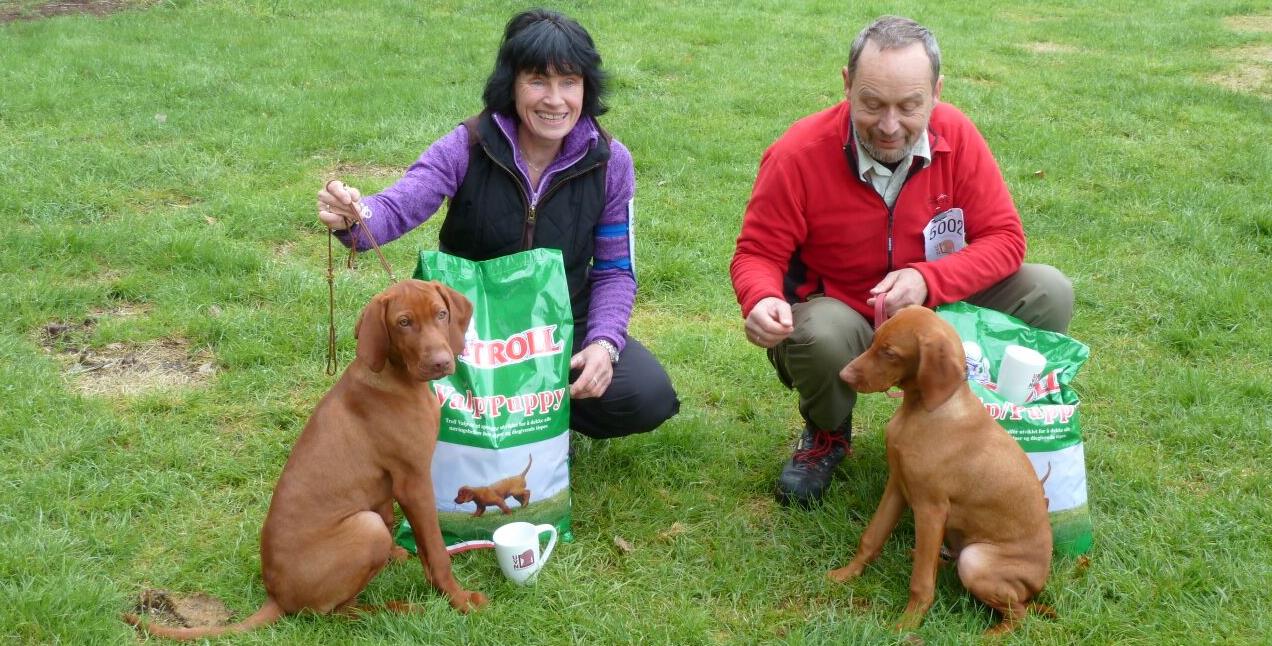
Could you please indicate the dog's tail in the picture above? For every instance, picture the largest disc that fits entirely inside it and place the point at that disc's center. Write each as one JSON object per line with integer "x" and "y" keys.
{"x": 527, "y": 469}
{"x": 268, "y": 614}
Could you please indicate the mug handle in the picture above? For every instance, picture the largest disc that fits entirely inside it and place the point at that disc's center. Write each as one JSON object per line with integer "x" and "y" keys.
{"x": 539, "y": 530}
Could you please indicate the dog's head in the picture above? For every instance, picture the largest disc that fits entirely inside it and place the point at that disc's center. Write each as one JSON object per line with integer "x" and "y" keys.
{"x": 465, "y": 495}
{"x": 916, "y": 350}
{"x": 415, "y": 326}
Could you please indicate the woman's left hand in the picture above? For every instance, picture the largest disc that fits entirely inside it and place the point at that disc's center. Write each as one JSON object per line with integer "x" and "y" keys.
{"x": 597, "y": 371}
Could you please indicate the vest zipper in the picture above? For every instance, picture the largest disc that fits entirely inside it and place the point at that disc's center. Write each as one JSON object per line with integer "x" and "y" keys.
{"x": 527, "y": 231}
{"x": 532, "y": 212}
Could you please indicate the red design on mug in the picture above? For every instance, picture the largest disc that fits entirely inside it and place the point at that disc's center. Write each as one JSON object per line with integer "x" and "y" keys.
{"x": 523, "y": 560}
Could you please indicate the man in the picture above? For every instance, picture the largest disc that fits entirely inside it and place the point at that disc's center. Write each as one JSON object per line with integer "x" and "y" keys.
{"x": 888, "y": 195}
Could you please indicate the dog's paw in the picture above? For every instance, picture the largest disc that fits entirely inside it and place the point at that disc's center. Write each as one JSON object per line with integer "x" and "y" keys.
{"x": 910, "y": 620}
{"x": 467, "y": 600}
{"x": 846, "y": 573}
{"x": 906, "y": 625}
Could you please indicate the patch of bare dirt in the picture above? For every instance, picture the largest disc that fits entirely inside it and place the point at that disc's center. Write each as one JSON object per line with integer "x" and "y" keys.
{"x": 372, "y": 171}
{"x": 1258, "y": 24}
{"x": 1250, "y": 71}
{"x": 124, "y": 369}
{"x": 189, "y": 611}
{"x": 37, "y": 11}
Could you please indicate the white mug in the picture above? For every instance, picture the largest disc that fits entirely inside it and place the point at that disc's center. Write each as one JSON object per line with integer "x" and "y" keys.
{"x": 1019, "y": 372}
{"x": 517, "y": 549}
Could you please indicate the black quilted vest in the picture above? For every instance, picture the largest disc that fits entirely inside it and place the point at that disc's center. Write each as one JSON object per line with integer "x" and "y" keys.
{"x": 491, "y": 216}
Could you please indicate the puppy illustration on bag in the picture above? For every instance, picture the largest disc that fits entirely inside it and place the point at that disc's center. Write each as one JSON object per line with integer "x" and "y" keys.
{"x": 496, "y": 494}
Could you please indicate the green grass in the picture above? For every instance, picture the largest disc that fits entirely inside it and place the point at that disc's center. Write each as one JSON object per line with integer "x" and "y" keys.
{"x": 157, "y": 177}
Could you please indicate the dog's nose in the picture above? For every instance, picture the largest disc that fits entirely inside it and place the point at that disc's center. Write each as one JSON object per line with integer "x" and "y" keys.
{"x": 442, "y": 362}
{"x": 849, "y": 375}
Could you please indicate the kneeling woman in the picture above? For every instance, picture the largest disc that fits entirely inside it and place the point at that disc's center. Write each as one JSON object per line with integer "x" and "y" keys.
{"x": 535, "y": 169}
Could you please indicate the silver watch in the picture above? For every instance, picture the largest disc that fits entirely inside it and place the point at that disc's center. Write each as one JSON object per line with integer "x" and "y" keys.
{"x": 608, "y": 347}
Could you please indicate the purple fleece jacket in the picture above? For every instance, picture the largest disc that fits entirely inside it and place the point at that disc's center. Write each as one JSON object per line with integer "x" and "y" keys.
{"x": 440, "y": 170}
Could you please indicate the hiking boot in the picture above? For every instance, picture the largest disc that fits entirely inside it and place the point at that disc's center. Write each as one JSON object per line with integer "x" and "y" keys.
{"x": 806, "y": 476}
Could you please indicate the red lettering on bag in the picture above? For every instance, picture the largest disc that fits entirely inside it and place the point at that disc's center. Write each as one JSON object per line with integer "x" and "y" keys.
{"x": 495, "y": 353}
{"x": 516, "y": 348}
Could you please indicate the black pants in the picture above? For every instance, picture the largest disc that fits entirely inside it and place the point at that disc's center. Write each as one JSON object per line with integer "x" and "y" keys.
{"x": 639, "y": 398}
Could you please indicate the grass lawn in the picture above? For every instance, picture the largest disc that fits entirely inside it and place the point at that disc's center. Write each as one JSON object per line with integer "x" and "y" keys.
{"x": 164, "y": 312}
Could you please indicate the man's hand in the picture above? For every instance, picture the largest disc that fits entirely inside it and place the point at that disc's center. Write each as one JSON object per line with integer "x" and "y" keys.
{"x": 769, "y": 322}
{"x": 336, "y": 204}
{"x": 903, "y": 287}
{"x": 597, "y": 371}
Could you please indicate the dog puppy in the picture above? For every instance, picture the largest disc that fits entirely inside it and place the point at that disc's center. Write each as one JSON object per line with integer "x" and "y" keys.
{"x": 968, "y": 482}
{"x": 368, "y": 443}
{"x": 496, "y": 494}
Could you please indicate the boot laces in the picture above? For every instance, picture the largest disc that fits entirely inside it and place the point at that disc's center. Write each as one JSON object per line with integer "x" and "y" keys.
{"x": 824, "y": 443}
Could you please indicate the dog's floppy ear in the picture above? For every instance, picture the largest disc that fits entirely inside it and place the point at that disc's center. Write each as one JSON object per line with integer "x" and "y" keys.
{"x": 373, "y": 334}
{"x": 461, "y": 312}
{"x": 941, "y": 372}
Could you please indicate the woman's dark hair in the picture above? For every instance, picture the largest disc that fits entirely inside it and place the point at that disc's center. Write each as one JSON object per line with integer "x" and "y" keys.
{"x": 539, "y": 40}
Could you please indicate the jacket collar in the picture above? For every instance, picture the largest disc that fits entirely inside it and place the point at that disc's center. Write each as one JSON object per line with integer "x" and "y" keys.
{"x": 577, "y": 143}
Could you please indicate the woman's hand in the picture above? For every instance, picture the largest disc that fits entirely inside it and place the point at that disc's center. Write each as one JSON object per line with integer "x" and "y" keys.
{"x": 336, "y": 205}
{"x": 597, "y": 371}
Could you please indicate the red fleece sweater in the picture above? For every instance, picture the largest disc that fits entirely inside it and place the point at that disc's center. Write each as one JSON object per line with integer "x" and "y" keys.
{"x": 813, "y": 226}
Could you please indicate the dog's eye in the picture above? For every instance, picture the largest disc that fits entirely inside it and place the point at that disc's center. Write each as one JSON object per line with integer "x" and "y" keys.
{"x": 404, "y": 321}
{"x": 442, "y": 315}
{"x": 888, "y": 354}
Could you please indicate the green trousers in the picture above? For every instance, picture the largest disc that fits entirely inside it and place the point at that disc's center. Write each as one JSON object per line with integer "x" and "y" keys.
{"x": 828, "y": 334}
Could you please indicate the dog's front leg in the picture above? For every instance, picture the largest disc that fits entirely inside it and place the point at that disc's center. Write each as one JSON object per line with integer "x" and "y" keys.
{"x": 929, "y": 531}
{"x": 885, "y": 519}
{"x": 415, "y": 497}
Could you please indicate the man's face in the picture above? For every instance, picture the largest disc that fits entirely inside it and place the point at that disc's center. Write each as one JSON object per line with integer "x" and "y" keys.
{"x": 892, "y": 97}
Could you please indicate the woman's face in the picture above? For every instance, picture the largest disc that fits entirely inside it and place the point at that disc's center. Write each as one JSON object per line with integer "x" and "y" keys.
{"x": 548, "y": 104}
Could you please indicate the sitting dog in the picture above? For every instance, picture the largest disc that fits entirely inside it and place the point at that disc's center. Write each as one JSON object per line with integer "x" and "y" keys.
{"x": 495, "y": 494}
{"x": 969, "y": 483}
{"x": 369, "y": 442}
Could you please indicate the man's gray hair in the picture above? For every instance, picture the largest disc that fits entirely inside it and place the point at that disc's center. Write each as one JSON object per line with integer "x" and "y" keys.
{"x": 894, "y": 32}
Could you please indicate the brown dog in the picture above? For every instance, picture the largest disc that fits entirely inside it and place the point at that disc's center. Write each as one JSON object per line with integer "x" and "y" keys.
{"x": 495, "y": 494}
{"x": 970, "y": 485}
{"x": 369, "y": 442}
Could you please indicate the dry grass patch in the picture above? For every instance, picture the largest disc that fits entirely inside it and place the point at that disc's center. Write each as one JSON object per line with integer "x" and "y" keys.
{"x": 364, "y": 171}
{"x": 1250, "y": 73}
{"x": 1051, "y": 48}
{"x": 34, "y": 10}
{"x": 121, "y": 369}
{"x": 184, "y": 611}
{"x": 1257, "y": 24}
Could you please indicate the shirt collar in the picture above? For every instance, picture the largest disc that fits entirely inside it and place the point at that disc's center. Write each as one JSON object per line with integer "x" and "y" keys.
{"x": 922, "y": 149}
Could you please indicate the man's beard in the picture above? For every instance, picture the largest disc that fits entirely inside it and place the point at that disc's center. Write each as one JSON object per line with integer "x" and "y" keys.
{"x": 889, "y": 157}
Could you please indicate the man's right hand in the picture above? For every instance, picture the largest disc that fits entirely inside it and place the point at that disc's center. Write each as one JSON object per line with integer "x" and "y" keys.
{"x": 336, "y": 204}
{"x": 769, "y": 322}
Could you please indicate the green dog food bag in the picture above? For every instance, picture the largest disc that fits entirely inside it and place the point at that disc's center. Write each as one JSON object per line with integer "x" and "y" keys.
{"x": 503, "y": 444}
{"x": 1046, "y": 425}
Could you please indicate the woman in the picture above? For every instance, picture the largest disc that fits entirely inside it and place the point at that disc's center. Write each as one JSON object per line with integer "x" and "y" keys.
{"x": 535, "y": 169}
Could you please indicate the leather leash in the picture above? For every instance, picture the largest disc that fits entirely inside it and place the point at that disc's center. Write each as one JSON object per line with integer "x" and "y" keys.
{"x": 881, "y": 315}
{"x": 350, "y": 263}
